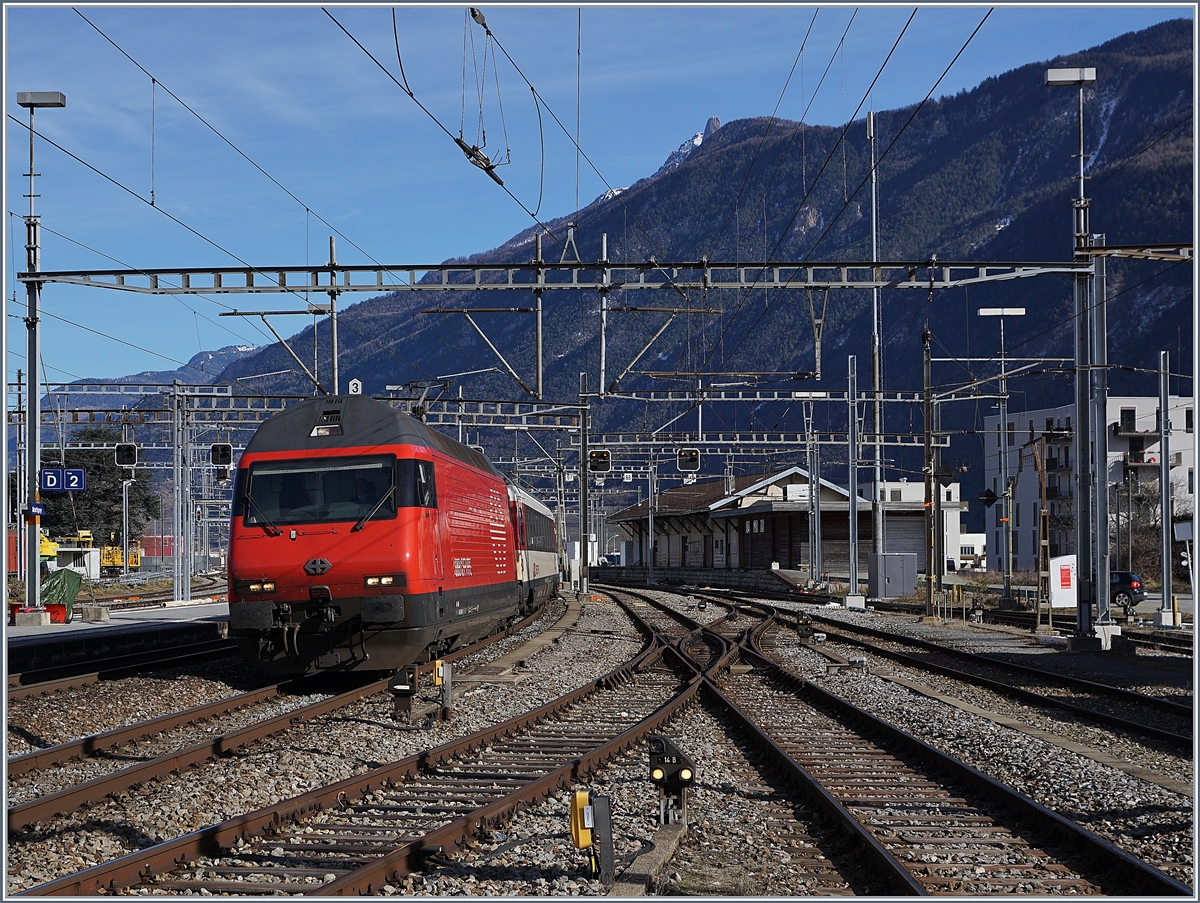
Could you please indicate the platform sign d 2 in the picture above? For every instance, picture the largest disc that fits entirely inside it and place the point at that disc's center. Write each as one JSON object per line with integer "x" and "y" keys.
{"x": 58, "y": 479}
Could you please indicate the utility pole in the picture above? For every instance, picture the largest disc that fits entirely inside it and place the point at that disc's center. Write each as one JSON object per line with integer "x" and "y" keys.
{"x": 539, "y": 287}
{"x": 333, "y": 293}
{"x": 1100, "y": 436}
{"x": 876, "y": 377}
{"x": 927, "y": 374}
{"x": 1083, "y": 284}
{"x": 854, "y": 599}
{"x": 33, "y": 100}
{"x": 650, "y": 558}
{"x": 1166, "y": 616}
{"x": 584, "y": 478}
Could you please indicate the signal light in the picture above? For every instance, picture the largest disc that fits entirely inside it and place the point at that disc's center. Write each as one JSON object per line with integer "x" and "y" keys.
{"x": 221, "y": 454}
{"x": 599, "y": 460}
{"x": 668, "y": 766}
{"x": 126, "y": 454}
{"x": 688, "y": 460}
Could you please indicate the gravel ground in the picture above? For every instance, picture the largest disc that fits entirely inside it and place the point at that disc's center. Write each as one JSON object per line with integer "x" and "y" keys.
{"x": 1160, "y": 674}
{"x": 36, "y": 722}
{"x": 1164, "y": 758}
{"x": 311, "y": 755}
{"x": 1148, "y": 821}
{"x": 740, "y": 838}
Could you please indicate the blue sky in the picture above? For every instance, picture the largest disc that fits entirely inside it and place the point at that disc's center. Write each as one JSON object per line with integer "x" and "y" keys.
{"x": 299, "y": 98}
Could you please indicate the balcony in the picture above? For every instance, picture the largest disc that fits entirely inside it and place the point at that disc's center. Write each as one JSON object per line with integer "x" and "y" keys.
{"x": 1140, "y": 459}
{"x": 1128, "y": 430}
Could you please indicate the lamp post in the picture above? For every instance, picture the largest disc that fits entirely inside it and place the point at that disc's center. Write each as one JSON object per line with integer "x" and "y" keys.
{"x": 33, "y": 100}
{"x": 1083, "y": 283}
{"x": 1006, "y": 494}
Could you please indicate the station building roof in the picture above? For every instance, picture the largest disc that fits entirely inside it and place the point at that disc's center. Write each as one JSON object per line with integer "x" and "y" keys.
{"x": 749, "y": 494}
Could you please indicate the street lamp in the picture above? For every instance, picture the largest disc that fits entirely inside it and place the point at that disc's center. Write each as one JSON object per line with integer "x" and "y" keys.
{"x": 1006, "y": 495}
{"x": 33, "y": 100}
{"x": 1086, "y": 314}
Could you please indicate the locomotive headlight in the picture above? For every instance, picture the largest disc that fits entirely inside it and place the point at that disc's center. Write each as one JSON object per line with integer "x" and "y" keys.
{"x": 385, "y": 580}
{"x": 256, "y": 587}
{"x": 268, "y": 586}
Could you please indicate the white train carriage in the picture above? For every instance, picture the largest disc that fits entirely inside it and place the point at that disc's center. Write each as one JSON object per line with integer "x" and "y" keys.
{"x": 537, "y": 547}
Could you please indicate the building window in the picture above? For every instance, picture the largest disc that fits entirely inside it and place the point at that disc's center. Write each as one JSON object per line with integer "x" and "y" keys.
{"x": 895, "y": 495}
{"x": 998, "y": 431}
{"x": 1049, "y": 424}
{"x": 1187, "y": 420}
{"x": 1011, "y": 438}
{"x": 1128, "y": 420}
{"x": 1030, "y": 430}
{"x": 1068, "y": 423}
{"x": 949, "y": 493}
{"x": 996, "y": 544}
{"x": 1017, "y": 511}
{"x": 966, "y": 551}
{"x": 1191, "y": 482}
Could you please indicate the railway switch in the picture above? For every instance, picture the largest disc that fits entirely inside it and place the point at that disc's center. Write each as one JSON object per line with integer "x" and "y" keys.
{"x": 591, "y": 829}
{"x": 672, "y": 773}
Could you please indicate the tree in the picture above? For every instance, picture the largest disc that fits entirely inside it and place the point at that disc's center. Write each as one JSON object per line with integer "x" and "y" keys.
{"x": 98, "y": 508}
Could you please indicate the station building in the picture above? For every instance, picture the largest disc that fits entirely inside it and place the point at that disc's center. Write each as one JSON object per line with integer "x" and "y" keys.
{"x": 761, "y": 521}
{"x": 1133, "y": 457}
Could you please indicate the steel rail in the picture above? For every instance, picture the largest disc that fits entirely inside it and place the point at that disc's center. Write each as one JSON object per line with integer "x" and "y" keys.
{"x": 885, "y": 863}
{"x": 1107, "y": 856}
{"x": 1077, "y": 683}
{"x": 70, "y": 798}
{"x": 136, "y": 867}
{"x": 94, "y": 743}
{"x": 1031, "y": 697}
{"x": 898, "y": 877}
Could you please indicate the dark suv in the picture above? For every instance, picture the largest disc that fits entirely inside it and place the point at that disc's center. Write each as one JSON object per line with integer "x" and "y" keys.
{"x": 1126, "y": 589}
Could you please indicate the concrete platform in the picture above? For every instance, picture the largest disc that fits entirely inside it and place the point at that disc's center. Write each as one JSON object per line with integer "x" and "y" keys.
{"x": 32, "y": 648}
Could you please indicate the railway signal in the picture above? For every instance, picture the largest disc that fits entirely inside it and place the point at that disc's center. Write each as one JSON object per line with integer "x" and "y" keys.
{"x": 688, "y": 460}
{"x": 126, "y": 454}
{"x": 599, "y": 460}
{"x": 672, "y": 773}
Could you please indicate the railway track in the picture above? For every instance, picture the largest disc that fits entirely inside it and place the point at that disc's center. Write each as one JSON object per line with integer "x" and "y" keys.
{"x": 182, "y": 739}
{"x": 1114, "y": 706}
{"x": 367, "y": 832}
{"x": 357, "y": 834}
{"x": 951, "y": 828}
{"x": 933, "y": 823}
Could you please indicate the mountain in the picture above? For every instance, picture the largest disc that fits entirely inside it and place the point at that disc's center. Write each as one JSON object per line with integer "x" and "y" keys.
{"x": 984, "y": 175}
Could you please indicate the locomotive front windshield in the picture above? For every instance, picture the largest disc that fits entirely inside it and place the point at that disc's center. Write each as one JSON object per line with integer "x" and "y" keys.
{"x": 320, "y": 490}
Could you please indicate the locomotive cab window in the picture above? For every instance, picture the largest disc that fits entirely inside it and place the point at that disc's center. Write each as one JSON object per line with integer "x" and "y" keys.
{"x": 318, "y": 490}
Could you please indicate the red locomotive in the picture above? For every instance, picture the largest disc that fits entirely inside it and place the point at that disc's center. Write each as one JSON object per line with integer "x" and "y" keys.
{"x": 361, "y": 539}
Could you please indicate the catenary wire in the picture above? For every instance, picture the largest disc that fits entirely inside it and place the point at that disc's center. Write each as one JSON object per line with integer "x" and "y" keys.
{"x": 808, "y": 191}
{"x": 820, "y": 238}
{"x": 766, "y": 132}
{"x": 201, "y": 236}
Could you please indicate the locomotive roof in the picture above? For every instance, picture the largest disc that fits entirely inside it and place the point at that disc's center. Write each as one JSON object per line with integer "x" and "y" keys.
{"x": 364, "y": 422}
